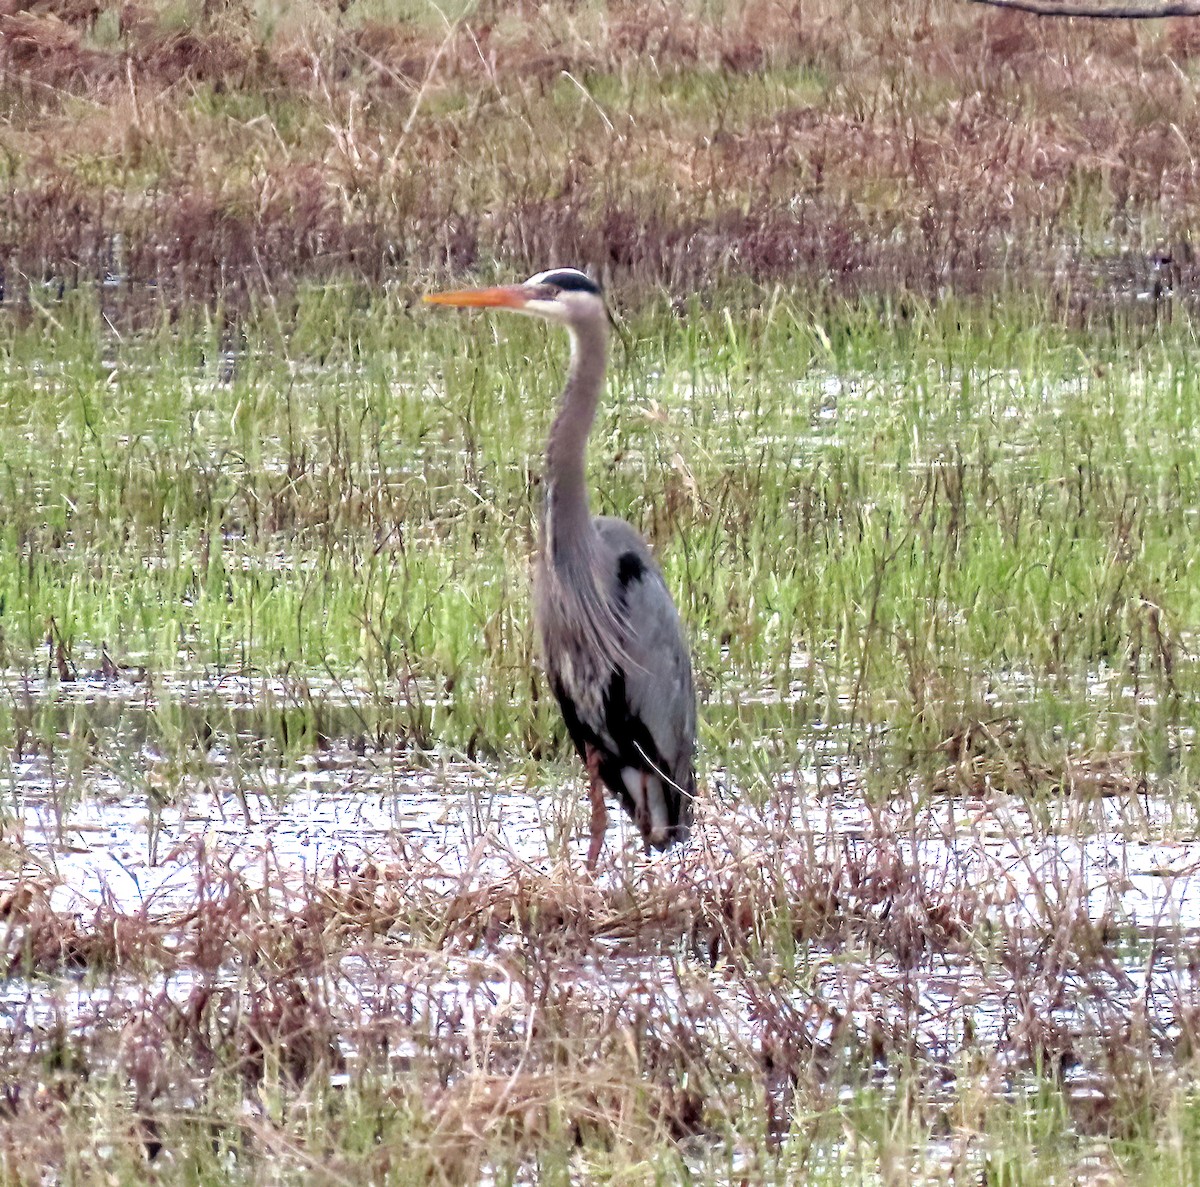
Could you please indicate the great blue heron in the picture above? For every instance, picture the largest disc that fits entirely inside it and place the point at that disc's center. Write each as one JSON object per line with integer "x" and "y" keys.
{"x": 611, "y": 640}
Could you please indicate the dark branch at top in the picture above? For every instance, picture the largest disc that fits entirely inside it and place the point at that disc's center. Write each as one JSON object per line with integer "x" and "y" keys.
{"x": 1130, "y": 12}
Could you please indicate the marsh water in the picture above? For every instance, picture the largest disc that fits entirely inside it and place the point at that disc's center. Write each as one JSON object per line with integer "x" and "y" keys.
{"x": 287, "y": 824}
{"x": 967, "y": 841}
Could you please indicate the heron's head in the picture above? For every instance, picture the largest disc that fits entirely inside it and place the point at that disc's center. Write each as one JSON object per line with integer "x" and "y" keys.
{"x": 564, "y": 296}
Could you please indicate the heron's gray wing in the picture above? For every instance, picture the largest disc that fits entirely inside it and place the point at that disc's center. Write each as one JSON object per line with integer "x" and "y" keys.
{"x": 657, "y": 668}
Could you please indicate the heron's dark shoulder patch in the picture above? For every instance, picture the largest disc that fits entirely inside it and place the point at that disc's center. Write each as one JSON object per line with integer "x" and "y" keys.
{"x": 630, "y": 568}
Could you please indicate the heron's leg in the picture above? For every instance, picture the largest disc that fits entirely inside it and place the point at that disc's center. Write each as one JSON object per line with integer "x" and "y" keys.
{"x": 599, "y": 822}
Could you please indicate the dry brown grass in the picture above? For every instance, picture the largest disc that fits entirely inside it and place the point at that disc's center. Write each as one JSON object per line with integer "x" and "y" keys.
{"x": 929, "y": 145}
{"x": 630, "y": 1012}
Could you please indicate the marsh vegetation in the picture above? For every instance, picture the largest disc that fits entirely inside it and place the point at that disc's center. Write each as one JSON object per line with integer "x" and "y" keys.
{"x": 291, "y": 881}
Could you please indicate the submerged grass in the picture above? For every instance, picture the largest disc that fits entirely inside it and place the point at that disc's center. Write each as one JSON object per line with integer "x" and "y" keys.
{"x": 765, "y": 1007}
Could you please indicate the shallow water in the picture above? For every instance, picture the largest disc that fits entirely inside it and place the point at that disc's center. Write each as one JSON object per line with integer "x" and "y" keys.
{"x": 287, "y": 823}
{"x": 204, "y": 768}
{"x": 212, "y": 779}
{"x": 231, "y": 786}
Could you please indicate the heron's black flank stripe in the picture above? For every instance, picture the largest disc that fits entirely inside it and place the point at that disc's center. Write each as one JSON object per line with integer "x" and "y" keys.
{"x": 629, "y": 568}
{"x": 571, "y": 281}
{"x": 635, "y": 746}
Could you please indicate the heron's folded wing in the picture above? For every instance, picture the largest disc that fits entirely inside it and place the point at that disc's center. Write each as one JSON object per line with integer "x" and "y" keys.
{"x": 658, "y": 674}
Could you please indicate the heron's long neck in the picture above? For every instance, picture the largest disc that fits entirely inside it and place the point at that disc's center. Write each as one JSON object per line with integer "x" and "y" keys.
{"x": 568, "y": 527}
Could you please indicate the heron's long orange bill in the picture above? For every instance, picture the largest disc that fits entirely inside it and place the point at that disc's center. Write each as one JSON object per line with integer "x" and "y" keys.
{"x": 506, "y": 296}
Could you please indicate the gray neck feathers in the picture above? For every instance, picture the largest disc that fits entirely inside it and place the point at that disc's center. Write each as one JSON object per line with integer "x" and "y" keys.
{"x": 572, "y": 556}
{"x": 568, "y": 519}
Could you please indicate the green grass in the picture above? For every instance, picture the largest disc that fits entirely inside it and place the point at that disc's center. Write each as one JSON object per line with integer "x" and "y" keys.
{"x": 905, "y": 517}
{"x": 947, "y": 547}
